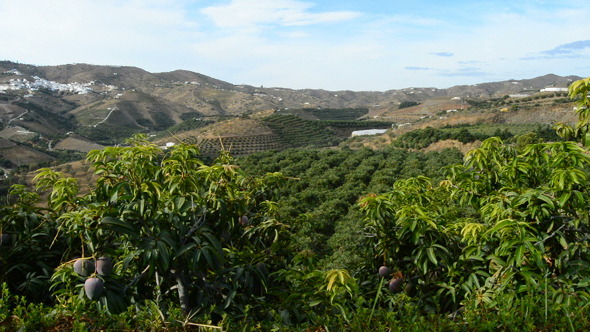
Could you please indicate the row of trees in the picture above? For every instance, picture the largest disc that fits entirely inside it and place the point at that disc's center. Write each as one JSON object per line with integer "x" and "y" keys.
{"x": 422, "y": 138}
{"x": 319, "y": 198}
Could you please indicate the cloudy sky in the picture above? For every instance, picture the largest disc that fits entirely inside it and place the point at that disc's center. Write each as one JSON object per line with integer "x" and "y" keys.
{"x": 328, "y": 44}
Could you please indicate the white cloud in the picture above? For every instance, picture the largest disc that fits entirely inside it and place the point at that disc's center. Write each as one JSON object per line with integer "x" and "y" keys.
{"x": 445, "y": 54}
{"x": 247, "y": 13}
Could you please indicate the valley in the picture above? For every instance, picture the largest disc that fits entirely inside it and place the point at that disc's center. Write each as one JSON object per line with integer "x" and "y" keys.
{"x": 81, "y": 107}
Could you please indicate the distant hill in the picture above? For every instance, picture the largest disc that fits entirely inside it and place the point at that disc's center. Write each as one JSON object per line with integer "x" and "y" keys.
{"x": 106, "y": 104}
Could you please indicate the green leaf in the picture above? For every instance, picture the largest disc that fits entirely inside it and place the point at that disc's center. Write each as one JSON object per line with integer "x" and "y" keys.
{"x": 315, "y": 302}
{"x": 563, "y": 242}
{"x": 164, "y": 254}
{"x": 141, "y": 207}
{"x": 120, "y": 226}
{"x": 229, "y": 299}
{"x": 500, "y": 225}
{"x": 475, "y": 257}
{"x": 114, "y": 192}
{"x": 431, "y": 256}
{"x": 518, "y": 254}
{"x": 184, "y": 249}
{"x": 213, "y": 240}
{"x": 551, "y": 226}
{"x": 441, "y": 248}
{"x": 584, "y": 282}
{"x": 547, "y": 200}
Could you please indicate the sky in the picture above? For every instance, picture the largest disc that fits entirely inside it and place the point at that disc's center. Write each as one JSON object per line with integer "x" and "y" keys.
{"x": 358, "y": 45}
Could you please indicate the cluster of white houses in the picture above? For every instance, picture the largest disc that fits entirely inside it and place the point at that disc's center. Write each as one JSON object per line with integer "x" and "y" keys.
{"x": 40, "y": 83}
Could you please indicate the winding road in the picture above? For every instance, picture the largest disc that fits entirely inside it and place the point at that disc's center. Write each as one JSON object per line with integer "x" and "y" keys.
{"x": 16, "y": 117}
{"x": 107, "y": 117}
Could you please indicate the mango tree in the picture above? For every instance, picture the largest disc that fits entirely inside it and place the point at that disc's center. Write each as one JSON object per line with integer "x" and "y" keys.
{"x": 505, "y": 223}
{"x": 171, "y": 224}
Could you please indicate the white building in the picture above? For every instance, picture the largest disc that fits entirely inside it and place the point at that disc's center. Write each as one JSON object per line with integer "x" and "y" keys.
{"x": 368, "y": 132}
{"x": 554, "y": 89}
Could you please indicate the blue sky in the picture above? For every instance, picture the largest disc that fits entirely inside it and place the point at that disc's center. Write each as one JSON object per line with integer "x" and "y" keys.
{"x": 334, "y": 45}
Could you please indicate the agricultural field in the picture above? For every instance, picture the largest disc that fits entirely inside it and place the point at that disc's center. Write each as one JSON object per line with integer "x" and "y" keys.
{"x": 340, "y": 114}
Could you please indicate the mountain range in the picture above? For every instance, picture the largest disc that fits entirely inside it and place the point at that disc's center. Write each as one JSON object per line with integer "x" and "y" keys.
{"x": 88, "y": 105}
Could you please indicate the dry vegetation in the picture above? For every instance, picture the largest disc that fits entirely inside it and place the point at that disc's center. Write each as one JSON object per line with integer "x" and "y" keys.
{"x": 452, "y": 144}
{"x": 24, "y": 155}
{"x": 77, "y": 144}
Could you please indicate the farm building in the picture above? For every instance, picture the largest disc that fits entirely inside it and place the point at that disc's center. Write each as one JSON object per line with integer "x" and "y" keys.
{"x": 368, "y": 132}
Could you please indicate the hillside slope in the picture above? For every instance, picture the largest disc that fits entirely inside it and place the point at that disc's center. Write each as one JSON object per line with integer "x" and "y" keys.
{"x": 106, "y": 104}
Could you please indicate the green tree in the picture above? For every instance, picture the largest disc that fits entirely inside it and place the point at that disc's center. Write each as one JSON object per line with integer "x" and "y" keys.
{"x": 172, "y": 225}
{"x": 506, "y": 222}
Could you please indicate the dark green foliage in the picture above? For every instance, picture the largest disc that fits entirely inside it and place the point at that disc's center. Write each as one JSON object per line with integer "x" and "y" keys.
{"x": 160, "y": 120}
{"x": 107, "y": 133}
{"x": 422, "y": 138}
{"x": 504, "y": 219}
{"x": 188, "y": 124}
{"x": 5, "y": 163}
{"x": 397, "y": 314}
{"x": 237, "y": 145}
{"x": 191, "y": 116}
{"x": 547, "y": 134}
{"x": 115, "y": 131}
{"x": 64, "y": 156}
{"x": 167, "y": 218}
{"x": 340, "y": 114}
{"x": 480, "y": 103}
{"x": 517, "y": 103}
{"x": 144, "y": 122}
{"x": 406, "y": 104}
{"x": 326, "y": 186}
{"x": 27, "y": 264}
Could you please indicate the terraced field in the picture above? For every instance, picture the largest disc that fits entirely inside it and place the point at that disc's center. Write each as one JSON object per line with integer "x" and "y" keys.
{"x": 240, "y": 145}
{"x": 297, "y": 132}
{"x": 342, "y": 114}
{"x": 188, "y": 125}
{"x": 277, "y": 131}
